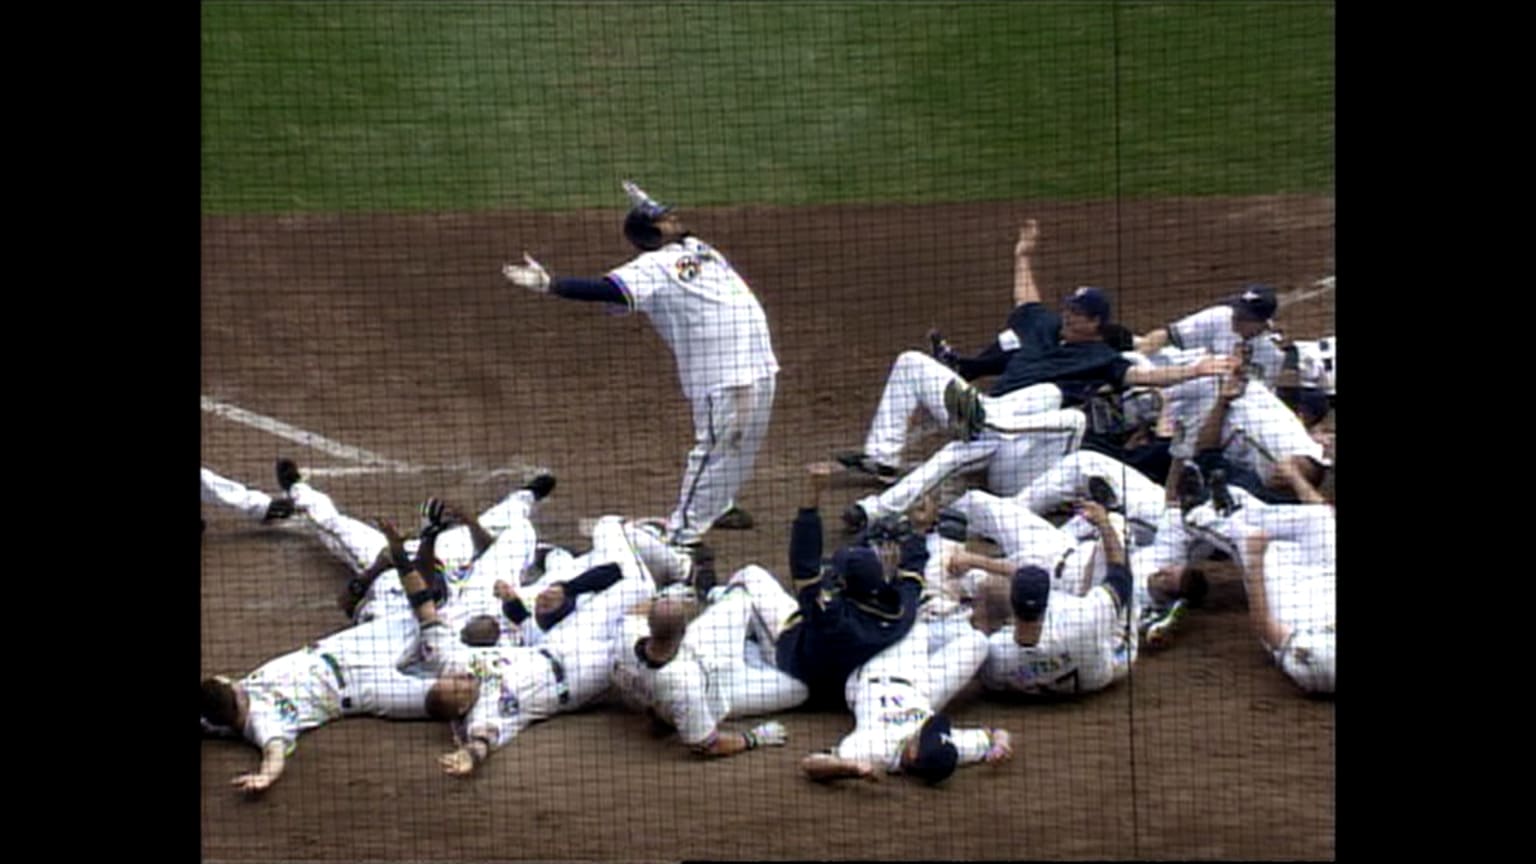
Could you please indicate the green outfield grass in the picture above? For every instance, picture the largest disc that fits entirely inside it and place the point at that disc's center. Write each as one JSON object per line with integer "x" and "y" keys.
{"x": 406, "y": 106}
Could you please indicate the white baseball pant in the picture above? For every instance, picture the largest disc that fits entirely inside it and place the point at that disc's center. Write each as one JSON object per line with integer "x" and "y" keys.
{"x": 753, "y": 598}
{"x": 1067, "y": 481}
{"x": 729, "y": 426}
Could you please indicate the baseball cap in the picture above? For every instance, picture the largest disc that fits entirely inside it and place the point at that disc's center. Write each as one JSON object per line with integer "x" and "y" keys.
{"x": 1030, "y": 593}
{"x": 860, "y": 567}
{"x": 1256, "y": 303}
{"x": 1089, "y": 301}
{"x": 936, "y": 754}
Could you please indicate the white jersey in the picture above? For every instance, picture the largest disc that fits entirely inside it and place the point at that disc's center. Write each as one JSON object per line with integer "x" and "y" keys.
{"x": 1261, "y": 430}
{"x": 681, "y": 692}
{"x": 347, "y": 673}
{"x": 518, "y": 685}
{"x": 1211, "y": 329}
{"x": 704, "y": 311}
{"x": 1083, "y": 647}
{"x": 1316, "y": 363}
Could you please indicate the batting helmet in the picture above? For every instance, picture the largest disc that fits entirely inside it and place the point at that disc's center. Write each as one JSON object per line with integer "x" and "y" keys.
{"x": 640, "y": 222}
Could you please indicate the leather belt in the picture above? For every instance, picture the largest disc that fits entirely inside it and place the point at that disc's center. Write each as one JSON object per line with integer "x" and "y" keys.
{"x": 562, "y": 690}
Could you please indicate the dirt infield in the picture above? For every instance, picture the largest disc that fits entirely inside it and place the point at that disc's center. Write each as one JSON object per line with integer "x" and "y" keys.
{"x": 396, "y": 336}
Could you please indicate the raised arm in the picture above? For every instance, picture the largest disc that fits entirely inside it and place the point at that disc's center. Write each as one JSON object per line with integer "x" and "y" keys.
{"x": 805, "y": 539}
{"x": 531, "y": 275}
{"x": 1209, "y": 437}
{"x": 1117, "y": 574}
{"x": 1024, "y": 288}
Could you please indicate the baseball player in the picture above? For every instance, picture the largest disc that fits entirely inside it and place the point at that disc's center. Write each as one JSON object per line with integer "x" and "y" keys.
{"x": 848, "y": 610}
{"x": 518, "y": 685}
{"x": 1070, "y": 555}
{"x": 1291, "y": 603}
{"x": 1251, "y": 435}
{"x": 1239, "y": 326}
{"x": 1087, "y": 475}
{"x": 1045, "y": 363}
{"x": 896, "y": 698}
{"x": 347, "y": 674}
{"x": 1061, "y": 642}
{"x": 694, "y": 675}
{"x": 704, "y": 310}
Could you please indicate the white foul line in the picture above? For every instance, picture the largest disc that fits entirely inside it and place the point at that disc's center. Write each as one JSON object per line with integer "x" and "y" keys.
{"x": 1324, "y": 285}
{"x": 300, "y": 436}
{"x": 372, "y": 463}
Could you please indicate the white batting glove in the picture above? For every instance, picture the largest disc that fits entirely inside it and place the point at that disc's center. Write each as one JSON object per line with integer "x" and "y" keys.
{"x": 530, "y": 274}
{"x": 770, "y": 734}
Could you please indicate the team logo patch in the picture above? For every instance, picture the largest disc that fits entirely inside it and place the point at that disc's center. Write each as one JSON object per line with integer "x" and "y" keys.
{"x": 687, "y": 268}
{"x": 287, "y": 710}
{"x": 509, "y": 705}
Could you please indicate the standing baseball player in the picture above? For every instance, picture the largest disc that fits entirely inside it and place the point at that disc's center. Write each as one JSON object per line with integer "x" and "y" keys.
{"x": 704, "y": 310}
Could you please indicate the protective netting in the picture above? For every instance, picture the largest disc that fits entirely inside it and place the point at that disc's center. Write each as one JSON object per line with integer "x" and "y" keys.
{"x": 850, "y": 176}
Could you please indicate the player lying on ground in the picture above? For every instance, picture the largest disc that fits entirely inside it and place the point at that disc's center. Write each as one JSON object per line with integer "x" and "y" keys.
{"x": 692, "y": 673}
{"x": 1292, "y": 607}
{"x": 519, "y": 685}
{"x": 896, "y": 699}
{"x": 504, "y": 530}
{"x": 347, "y": 674}
{"x": 849, "y": 610}
{"x": 1045, "y": 363}
{"x": 707, "y": 314}
{"x": 1061, "y": 642}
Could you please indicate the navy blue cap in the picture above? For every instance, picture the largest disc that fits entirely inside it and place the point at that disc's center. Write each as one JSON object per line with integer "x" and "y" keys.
{"x": 1256, "y": 303}
{"x": 1090, "y": 301}
{"x": 860, "y": 567}
{"x": 1030, "y": 593}
{"x": 936, "y": 754}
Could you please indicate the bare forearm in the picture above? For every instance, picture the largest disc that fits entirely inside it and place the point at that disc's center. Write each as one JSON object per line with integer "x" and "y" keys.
{"x": 1209, "y": 437}
{"x": 1270, "y": 631}
{"x": 999, "y": 566}
{"x": 1153, "y": 341}
{"x": 824, "y": 767}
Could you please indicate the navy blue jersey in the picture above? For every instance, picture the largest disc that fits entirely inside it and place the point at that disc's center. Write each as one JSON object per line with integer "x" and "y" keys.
{"x": 1078, "y": 368}
{"x": 834, "y": 634}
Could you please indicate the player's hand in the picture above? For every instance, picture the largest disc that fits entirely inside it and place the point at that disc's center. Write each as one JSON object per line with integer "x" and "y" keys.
{"x": 941, "y": 350}
{"x": 1029, "y": 234}
{"x": 818, "y": 478}
{"x": 458, "y": 763}
{"x": 1224, "y": 364}
{"x": 769, "y": 734}
{"x": 1094, "y": 512}
{"x": 530, "y": 274}
{"x": 391, "y": 537}
{"x": 252, "y": 783}
{"x": 1002, "y": 748}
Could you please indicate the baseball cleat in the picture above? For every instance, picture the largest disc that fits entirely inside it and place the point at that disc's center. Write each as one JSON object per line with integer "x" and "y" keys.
{"x": 861, "y": 464}
{"x": 1159, "y": 631}
{"x": 735, "y": 519}
{"x": 1103, "y": 494}
{"x": 280, "y": 508}
{"x": 287, "y": 473}
{"x": 701, "y": 573}
{"x": 1221, "y": 496}
{"x": 1191, "y": 491}
{"x": 855, "y": 519}
{"x": 541, "y": 486}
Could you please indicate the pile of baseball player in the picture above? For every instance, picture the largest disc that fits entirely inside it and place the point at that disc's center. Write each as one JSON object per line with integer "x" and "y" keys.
{"x": 1062, "y": 525}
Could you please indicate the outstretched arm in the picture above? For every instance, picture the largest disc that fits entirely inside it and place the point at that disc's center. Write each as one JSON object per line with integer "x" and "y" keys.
{"x": 825, "y": 767}
{"x": 531, "y": 275}
{"x": 273, "y": 757}
{"x": 1164, "y": 376}
{"x": 769, "y": 734}
{"x": 1024, "y": 288}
